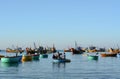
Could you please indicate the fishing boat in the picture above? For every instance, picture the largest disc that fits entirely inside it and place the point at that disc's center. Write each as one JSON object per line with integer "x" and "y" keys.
{"x": 51, "y": 49}
{"x": 13, "y": 59}
{"x": 26, "y": 58}
{"x": 43, "y": 55}
{"x": 92, "y": 57}
{"x": 111, "y": 50}
{"x": 92, "y": 49}
{"x": 35, "y": 56}
{"x": 77, "y": 49}
{"x": 108, "y": 54}
{"x": 18, "y": 49}
{"x": 61, "y": 60}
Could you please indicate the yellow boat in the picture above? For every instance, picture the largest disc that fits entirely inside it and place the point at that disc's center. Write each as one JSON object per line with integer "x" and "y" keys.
{"x": 26, "y": 58}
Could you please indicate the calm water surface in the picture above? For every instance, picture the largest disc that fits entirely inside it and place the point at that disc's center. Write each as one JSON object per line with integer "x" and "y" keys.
{"x": 79, "y": 68}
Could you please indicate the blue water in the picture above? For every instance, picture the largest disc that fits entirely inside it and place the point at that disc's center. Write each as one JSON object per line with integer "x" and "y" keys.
{"x": 79, "y": 68}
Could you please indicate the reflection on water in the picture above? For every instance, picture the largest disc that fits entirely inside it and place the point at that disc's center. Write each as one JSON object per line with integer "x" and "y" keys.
{"x": 59, "y": 65}
{"x": 9, "y": 64}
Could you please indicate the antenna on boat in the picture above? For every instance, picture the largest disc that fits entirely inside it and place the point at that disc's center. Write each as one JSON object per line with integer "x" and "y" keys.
{"x": 75, "y": 45}
{"x": 118, "y": 46}
{"x": 35, "y": 46}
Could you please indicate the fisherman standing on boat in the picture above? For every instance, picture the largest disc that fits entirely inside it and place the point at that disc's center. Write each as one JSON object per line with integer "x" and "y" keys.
{"x": 64, "y": 55}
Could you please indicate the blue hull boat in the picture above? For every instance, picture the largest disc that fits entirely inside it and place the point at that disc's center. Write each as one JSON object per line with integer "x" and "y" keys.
{"x": 61, "y": 60}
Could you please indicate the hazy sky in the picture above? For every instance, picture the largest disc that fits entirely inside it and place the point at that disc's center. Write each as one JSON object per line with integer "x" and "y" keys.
{"x": 59, "y": 22}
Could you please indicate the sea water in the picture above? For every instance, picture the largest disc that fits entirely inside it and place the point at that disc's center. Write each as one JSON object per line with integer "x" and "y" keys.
{"x": 79, "y": 68}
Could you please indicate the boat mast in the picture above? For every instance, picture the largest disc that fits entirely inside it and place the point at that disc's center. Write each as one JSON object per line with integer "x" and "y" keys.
{"x": 76, "y": 45}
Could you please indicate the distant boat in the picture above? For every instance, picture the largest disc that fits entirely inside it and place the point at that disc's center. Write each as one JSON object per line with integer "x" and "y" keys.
{"x": 43, "y": 55}
{"x": 77, "y": 49}
{"x": 111, "y": 50}
{"x": 30, "y": 51}
{"x": 92, "y": 49}
{"x": 35, "y": 56}
{"x": 92, "y": 57}
{"x": 17, "y": 50}
{"x": 108, "y": 54}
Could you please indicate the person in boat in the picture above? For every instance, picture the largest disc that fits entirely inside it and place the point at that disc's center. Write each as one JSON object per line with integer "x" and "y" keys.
{"x": 57, "y": 55}
{"x": 54, "y": 56}
{"x": 64, "y": 55}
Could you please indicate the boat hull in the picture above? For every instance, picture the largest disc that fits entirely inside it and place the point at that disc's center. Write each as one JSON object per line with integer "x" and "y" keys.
{"x": 35, "y": 57}
{"x": 43, "y": 56}
{"x": 10, "y": 59}
{"x": 26, "y": 58}
{"x": 93, "y": 57}
{"x": 109, "y": 55}
{"x": 61, "y": 60}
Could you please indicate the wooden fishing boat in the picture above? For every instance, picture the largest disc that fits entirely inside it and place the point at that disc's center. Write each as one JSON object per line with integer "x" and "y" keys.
{"x": 92, "y": 57}
{"x": 111, "y": 50}
{"x": 108, "y": 54}
{"x": 61, "y": 60}
{"x": 77, "y": 49}
{"x": 9, "y": 50}
{"x": 13, "y": 59}
{"x": 26, "y": 58}
{"x": 74, "y": 51}
{"x": 43, "y": 55}
{"x": 35, "y": 56}
{"x": 92, "y": 49}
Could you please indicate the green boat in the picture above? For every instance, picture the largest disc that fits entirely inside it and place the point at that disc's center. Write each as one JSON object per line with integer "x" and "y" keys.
{"x": 35, "y": 56}
{"x": 13, "y": 59}
{"x": 43, "y": 55}
{"x": 92, "y": 57}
